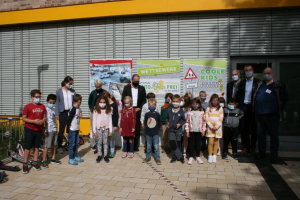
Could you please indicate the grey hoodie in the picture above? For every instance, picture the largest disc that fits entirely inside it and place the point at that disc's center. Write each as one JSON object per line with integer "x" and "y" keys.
{"x": 232, "y": 117}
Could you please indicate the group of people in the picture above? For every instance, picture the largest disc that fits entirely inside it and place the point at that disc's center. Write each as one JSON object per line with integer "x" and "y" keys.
{"x": 188, "y": 124}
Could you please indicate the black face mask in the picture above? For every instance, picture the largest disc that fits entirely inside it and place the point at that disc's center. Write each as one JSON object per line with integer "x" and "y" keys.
{"x": 135, "y": 84}
{"x": 98, "y": 89}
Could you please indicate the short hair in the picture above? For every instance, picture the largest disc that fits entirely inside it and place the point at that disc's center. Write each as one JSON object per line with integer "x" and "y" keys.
{"x": 221, "y": 99}
{"x": 169, "y": 95}
{"x": 77, "y": 97}
{"x": 98, "y": 81}
{"x": 128, "y": 98}
{"x": 150, "y": 95}
{"x": 176, "y": 96}
{"x": 248, "y": 66}
{"x": 134, "y": 75}
{"x": 152, "y": 100}
{"x": 51, "y": 97}
{"x": 231, "y": 100}
{"x": 35, "y": 91}
{"x": 202, "y": 92}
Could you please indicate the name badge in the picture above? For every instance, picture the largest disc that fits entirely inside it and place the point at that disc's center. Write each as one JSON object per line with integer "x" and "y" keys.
{"x": 268, "y": 91}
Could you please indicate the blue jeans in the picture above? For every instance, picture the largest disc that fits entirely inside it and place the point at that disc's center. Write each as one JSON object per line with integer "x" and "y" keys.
{"x": 73, "y": 144}
{"x": 152, "y": 139}
{"x": 112, "y": 143}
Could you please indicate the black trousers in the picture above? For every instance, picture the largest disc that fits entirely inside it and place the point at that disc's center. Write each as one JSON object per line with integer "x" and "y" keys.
{"x": 137, "y": 131}
{"x": 248, "y": 127}
{"x": 194, "y": 143}
{"x": 230, "y": 135}
{"x": 63, "y": 119}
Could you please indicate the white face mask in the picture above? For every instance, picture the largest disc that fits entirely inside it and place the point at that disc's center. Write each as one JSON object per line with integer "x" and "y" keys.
{"x": 69, "y": 86}
{"x": 176, "y": 105}
{"x": 127, "y": 105}
{"x": 222, "y": 105}
{"x": 181, "y": 103}
{"x": 235, "y": 77}
{"x": 102, "y": 105}
{"x": 36, "y": 100}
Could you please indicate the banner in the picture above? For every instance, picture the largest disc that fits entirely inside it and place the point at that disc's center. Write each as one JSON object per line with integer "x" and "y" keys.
{"x": 205, "y": 75}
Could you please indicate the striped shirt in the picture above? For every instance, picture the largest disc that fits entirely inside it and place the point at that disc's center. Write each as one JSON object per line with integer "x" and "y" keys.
{"x": 214, "y": 118}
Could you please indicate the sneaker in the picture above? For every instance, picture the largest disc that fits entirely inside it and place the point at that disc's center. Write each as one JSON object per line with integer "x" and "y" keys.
{"x": 96, "y": 151}
{"x": 72, "y": 162}
{"x": 158, "y": 162}
{"x": 25, "y": 169}
{"x": 147, "y": 160}
{"x": 124, "y": 155}
{"x": 224, "y": 156}
{"x": 184, "y": 155}
{"x": 94, "y": 147}
{"x": 181, "y": 159}
{"x": 36, "y": 166}
{"x": 130, "y": 155}
{"x": 55, "y": 161}
{"x": 78, "y": 159}
{"x": 106, "y": 159}
{"x": 99, "y": 158}
{"x": 219, "y": 152}
{"x": 173, "y": 159}
{"x": 190, "y": 160}
{"x": 210, "y": 159}
{"x": 214, "y": 158}
{"x": 60, "y": 150}
{"x": 112, "y": 154}
{"x": 198, "y": 160}
{"x": 235, "y": 156}
{"x": 44, "y": 164}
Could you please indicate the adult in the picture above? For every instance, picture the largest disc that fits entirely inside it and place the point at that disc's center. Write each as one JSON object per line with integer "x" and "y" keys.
{"x": 64, "y": 103}
{"x": 232, "y": 86}
{"x": 245, "y": 99}
{"x": 94, "y": 95}
{"x": 138, "y": 95}
{"x": 270, "y": 96}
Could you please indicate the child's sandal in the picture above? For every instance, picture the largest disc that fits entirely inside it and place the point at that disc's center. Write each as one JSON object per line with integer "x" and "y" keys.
{"x": 124, "y": 155}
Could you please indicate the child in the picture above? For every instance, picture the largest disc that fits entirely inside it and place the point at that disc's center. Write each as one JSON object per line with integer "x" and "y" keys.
{"x": 165, "y": 134}
{"x": 231, "y": 127}
{"x": 73, "y": 130}
{"x": 34, "y": 116}
{"x": 152, "y": 122}
{"x": 115, "y": 120}
{"x": 102, "y": 126}
{"x": 195, "y": 129}
{"x": 222, "y": 104}
{"x": 189, "y": 94}
{"x": 214, "y": 118}
{"x": 186, "y": 107}
{"x": 127, "y": 126}
{"x": 175, "y": 120}
{"x": 50, "y": 131}
{"x": 204, "y": 105}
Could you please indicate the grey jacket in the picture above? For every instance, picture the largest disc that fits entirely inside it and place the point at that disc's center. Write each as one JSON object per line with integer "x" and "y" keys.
{"x": 59, "y": 104}
{"x": 232, "y": 117}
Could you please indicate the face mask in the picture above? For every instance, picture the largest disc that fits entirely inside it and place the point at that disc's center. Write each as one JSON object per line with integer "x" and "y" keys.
{"x": 102, "y": 105}
{"x": 181, "y": 103}
{"x": 235, "y": 78}
{"x": 98, "y": 89}
{"x": 36, "y": 100}
{"x": 69, "y": 86}
{"x": 167, "y": 101}
{"x": 135, "y": 84}
{"x": 151, "y": 108}
{"x": 176, "y": 105}
{"x": 195, "y": 106}
{"x": 127, "y": 105}
{"x": 230, "y": 107}
{"x": 248, "y": 74}
{"x": 51, "y": 105}
{"x": 203, "y": 98}
{"x": 268, "y": 77}
{"x": 215, "y": 103}
{"x": 222, "y": 105}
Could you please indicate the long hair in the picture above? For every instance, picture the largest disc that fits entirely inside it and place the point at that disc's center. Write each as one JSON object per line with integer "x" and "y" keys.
{"x": 187, "y": 103}
{"x": 214, "y": 96}
{"x": 197, "y": 100}
{"x": 107, "y": 107}
{"x": 66, "y": 80}
{"x": 108, "y": 95}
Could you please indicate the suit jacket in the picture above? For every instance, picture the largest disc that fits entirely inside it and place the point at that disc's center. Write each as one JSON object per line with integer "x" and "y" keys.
{"x": 230, "y": 89}
{"x": 242, "y": 88}
{"x": 141, "y": 95}
{"x": 59, "y": 104}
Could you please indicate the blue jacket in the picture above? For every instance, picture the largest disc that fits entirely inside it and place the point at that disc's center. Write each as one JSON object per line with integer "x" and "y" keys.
{"x": 175, "y": 118}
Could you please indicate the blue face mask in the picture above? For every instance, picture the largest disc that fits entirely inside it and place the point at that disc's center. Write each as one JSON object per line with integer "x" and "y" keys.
{"x": 152, "y": 108}
{"x": 230, "y": 107}
{"x": 167, "y": 101}
{"x": 51, "y": 105}
{"x": 203, "y": 98}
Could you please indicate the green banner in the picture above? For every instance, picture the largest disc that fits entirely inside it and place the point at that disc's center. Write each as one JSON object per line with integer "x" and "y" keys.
{"x": 159, "y": 67}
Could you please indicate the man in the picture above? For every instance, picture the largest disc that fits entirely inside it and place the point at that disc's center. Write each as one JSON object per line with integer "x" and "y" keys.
{"x": 245, "y": 99}
{"x": 233, "y": 85}
{"x": 270, "y": 96}
{"x": 138, "y": 95}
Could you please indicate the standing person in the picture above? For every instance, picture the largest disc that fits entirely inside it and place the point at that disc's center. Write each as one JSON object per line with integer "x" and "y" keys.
{"x": 152, "y": 124}
{"x": 204, "y": 105}
{"x": 127, "y": 126}
{"x": 189, "y": 94}
{"x": 34, "y": 116}
{"x": 245, "y": 101}
{"x": 102, "y": 126}
{"x": 138, "y": 95}
{"x": 115, "y": 120}
{"x": 186, "y": 107}
{"x": 214, "y": 118}
{"x": 195, "y": 129}
{"x": 165, "y": 134}
{"x": 94, "y": 95}
{"x": 73, "y": 130}
{"x": 175, "y": 120}
{"x": 222, "y": 104}
{"x": 63, "y": 106}
{"x": 232, "y": 86}
{"x": 232, "y": 116}
{"x": 270, "y": 98}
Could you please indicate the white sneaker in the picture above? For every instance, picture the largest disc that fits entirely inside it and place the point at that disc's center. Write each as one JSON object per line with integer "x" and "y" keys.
{"x": 210, "y": 159}
{"x": 214, "y": 158}
{"x": 60, "y": 151}
{"x": 190, "y": 160}
{"x": 198, "y": 160}
{"x": 219, "y": 152}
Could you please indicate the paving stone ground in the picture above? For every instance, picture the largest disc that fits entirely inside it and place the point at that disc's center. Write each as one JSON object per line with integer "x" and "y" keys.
{"x": 125, "y": 178}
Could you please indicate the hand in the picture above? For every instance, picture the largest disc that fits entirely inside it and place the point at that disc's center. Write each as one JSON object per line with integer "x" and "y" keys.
{"x": 95, "y": 135}
{"x": 37, "y": 121}
{"x": 110, "y": 134}
{"x": 143, "y": 126}
{"x": 67, "y": 134}
{"x": 57, "y": 117}
{"x": 177, "y": 126}
{"x": 187, "y": 134}
{"x": 120, "y": 130}
{"x": 133, "y": 130}
{"x": 203, "y": 133}
{"x": 137, "y": 109}
{"x": 115, "y": 128}
{"x": 80, "y": 115}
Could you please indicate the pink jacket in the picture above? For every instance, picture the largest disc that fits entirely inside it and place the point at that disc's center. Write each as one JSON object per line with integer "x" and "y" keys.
{"x": 96, "y": 121}
{"x": 201, "y": 123}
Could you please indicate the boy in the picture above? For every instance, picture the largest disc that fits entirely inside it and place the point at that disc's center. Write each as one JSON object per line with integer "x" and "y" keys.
{"x": 203, "y": 96}
{"x": 50, "y": 131}
{"x": 34, "y": 116}
{"x": 152, "y": 122}
{"x": 175, "y": 120}
{"x": 73, "y": 130}
{"x": 231, "y": 121}
{"x": 165, "y": 136}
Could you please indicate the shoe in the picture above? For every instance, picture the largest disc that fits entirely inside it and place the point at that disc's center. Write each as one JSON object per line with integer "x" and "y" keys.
{"x": 106, "y": 159}
{"x": 72, "y": 162}
{"x": 253, "y": 152}
{"x": 78, "y": 159}
{"x": 235, "y": 156}
{"x": 130, "y": 155}
{"x": 158, "y": 162}
{"x": 44, "y": 164}
{"x": 219, "y": 152}
{"x": 146, "y": 160}
{"x": 224, "y": 156}
{"x": 191, "y": 159}
{"x": 99, "y": 158}
{"x": 55, "y": 161}
{"x": 173, "y": 159}
{"x": 60, "y": 150}
{"x": 124, "y": 155}
{"x": 112, "y": 154}
{"x": 260, "y": 156}
{"x": 210, "y": 159}
{"x": 198, "y": 160}
{"x": 36, "y": 166}
{"x": 244, "y": 151}
{"x": 184, "y": 155}
{"x": 214, "y": 158}
{"x": 181, "y": 159}
{"x": 25, "y": 169}
{"x": 96, "y": 151}
{"x": 274, "y": 160}
{"x": 94, "y": 147}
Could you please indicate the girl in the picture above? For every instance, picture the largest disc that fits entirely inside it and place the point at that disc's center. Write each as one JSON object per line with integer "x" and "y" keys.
{"x": 186, "y": 107}
{"x": 195, "y": 129}
{"x": 127, "y": 126}
{"x": 102, "y": 126}
{"x": 115, "y": 119}
{"x": 214, "y": 118}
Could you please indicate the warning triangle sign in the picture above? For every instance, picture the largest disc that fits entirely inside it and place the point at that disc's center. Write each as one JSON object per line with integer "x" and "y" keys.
{"x": 190, "y": 74}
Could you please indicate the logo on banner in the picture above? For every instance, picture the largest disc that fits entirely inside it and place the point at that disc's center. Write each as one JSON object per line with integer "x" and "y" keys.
{"x": 190, "y": 74}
